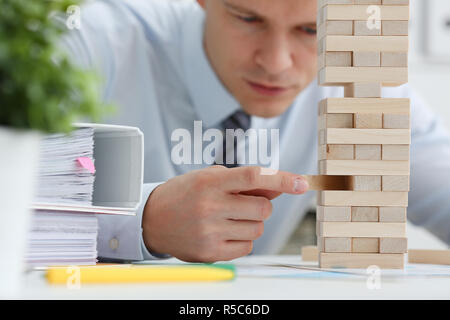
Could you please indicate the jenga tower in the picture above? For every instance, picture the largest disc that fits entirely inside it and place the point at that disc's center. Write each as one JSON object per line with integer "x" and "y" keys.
{"x": 363, "y": 45}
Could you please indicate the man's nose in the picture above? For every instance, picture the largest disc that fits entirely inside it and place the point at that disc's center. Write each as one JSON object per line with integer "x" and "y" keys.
{"x": 275, "y": 54}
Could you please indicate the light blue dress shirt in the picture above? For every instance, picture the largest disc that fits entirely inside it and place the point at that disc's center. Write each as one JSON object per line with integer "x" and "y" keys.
{"x": 151, "y": 57}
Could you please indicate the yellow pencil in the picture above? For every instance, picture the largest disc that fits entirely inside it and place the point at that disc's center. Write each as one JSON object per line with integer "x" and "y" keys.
{"x": 140, "y": 274}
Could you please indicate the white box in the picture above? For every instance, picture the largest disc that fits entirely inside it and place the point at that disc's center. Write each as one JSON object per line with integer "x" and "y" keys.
{"x": 119, "y": 176}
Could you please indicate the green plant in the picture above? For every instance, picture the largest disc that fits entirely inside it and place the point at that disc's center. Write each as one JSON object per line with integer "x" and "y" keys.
{"x": 39, "y": 87}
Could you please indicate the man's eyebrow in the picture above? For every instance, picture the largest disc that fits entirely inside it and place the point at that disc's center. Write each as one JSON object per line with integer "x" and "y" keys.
{"x": 248, "y": 11}
{"x": 309, "y": 24}
{"x": 240, "y": 9}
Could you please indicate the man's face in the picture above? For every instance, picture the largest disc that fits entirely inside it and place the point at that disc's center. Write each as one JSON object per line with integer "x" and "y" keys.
{"x": 263, "y": 51}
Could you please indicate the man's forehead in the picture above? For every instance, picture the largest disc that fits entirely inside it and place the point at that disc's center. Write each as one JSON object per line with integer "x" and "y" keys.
{"x": 298, "y": 11}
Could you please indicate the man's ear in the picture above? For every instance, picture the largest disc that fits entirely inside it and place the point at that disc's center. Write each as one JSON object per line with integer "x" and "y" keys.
{"x": 201, "y": 3}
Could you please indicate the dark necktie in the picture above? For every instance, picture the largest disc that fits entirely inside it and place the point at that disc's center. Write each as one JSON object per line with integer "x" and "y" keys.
{"x": 238, "y": 120}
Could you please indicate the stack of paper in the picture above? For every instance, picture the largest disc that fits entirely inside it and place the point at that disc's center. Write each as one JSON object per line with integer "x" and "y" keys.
{"x": 59, "y": 238}
{"x": 66, "y": 180}
{"x": 64, "y": 172}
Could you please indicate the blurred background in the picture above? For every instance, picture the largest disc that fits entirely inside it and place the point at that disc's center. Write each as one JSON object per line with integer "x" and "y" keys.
{"x": 429, "y": 76}
{"x": 430, "y": 53}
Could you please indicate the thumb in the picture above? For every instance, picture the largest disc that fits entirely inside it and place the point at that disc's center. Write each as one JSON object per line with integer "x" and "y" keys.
{"x": 268, "y": 194}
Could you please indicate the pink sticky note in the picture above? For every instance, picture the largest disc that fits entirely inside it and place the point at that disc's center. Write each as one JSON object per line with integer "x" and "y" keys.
{"x": 87, "y": 163}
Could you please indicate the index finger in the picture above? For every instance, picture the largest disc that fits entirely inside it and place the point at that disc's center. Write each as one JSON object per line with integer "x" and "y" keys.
{"x": 251, "y": 178}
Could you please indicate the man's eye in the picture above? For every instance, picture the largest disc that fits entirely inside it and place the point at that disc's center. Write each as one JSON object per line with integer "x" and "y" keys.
{"x": 309, "y": 30}
{"x": 249, "y": 19}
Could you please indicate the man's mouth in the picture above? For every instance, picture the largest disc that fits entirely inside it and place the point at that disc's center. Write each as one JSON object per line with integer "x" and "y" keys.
{"x": 267, "y": 90}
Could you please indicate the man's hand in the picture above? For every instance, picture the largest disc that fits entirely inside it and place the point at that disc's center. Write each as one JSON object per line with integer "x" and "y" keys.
{"x": 213, "y": 214}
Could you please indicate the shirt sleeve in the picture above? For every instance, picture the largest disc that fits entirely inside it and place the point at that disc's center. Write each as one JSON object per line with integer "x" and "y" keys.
{"x": 120, "y": 237}
{"x": 429, "y": 197}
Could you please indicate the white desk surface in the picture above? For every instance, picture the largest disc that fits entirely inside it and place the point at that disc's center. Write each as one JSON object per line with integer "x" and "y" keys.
{"x": 248, "y": 288}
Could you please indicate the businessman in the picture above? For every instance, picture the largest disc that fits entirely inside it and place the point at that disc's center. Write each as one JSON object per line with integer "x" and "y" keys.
{"x": 217, "y": 65}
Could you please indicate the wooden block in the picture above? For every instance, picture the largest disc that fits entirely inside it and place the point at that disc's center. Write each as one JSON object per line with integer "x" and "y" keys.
{"x": 336, "y": 214}
{"x": 339, "y": 120}
{"x": 366, "y": 59}
{"x": 366, "y": 183}
{"x": 361, "y": 29}
{"x": 368, "y": 121}
{"x": 335, "y": 28}
{"x": 393, "y": 245}
{"x": 361, "y": 260}
{"x": 362, "y": 199}
{"x": 322, "y": 3}
{"x": 310, "y": 253}
{"x": 322, "y": 46}
{"x": 359, "y": 12}
{"x": 337, "y": 244}
{"x": 394, "y": 28}
{"x": 360, "y": 105}
{"x": 322, "y": 138}
{"x": 337, "y": 152}
{"x": 395, "y": 152}
{"x": 367, "y": 152}
{"x": 328, "y": 182}
{"x": 394, "y": 59}
{"x": 392, "y": 214}
{"x": 395, "y": 183}
{"x": 334, "y": 244}
{"x": 367, "y": 136}
{"x": 429, "y": 256}
{"x": 334, "y": 59}
{"x": 361, "y": 229}
{"x": 367, "y": 2}
{"x": 341, "y": 76}
{"x": 365, "y": 214}
{"x": 363, "y": 90}
{"x": 320, "y": 17}
{"x": 323, "y": 106}
{"x": 364, "y": 43}
{"x": 320, "y": 240}
{"x": 336, "y": 120}
{"x": 366, "y": 245}
{"x": 363, "y": 167}
{"x": 393, "y": 2}
{"x": 396, "y": 121}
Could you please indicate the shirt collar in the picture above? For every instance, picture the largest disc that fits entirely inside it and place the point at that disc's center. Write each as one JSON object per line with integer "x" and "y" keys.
{"x": 212, "y": 101}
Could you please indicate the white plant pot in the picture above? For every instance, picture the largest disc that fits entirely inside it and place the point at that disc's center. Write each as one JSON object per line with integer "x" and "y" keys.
{"x": 19, "y": 158}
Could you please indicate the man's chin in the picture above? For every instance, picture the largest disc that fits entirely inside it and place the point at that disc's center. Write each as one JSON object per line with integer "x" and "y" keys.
{"x": 265, "y": 110}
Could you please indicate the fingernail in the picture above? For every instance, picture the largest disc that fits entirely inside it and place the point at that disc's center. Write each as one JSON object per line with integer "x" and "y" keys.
{"x": 300, "y": 185}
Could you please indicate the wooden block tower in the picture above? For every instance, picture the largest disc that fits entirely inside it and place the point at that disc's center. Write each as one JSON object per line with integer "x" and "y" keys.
{"x": 362, "y": 46}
